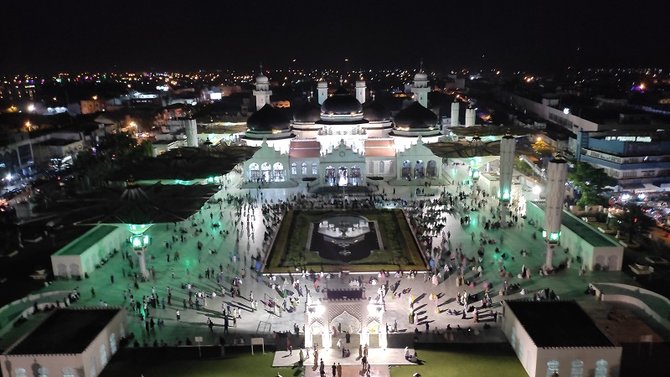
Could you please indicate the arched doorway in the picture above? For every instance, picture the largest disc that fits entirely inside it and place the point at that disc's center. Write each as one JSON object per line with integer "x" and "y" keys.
{"x": 317, "y": 333}
{"x": 265, "y": 172}
{"x": 254, "y": 172}
{"x": 278, "y": 172}
{"x": 355, "y": 176}
{"x": 344, "y": 324}
{"x": 330, "y": 176}
{"x": 406, "y": 170}
{"x": 373, "y": 334}
{"x": 431, "y": 171}
{"x": 342, "y": 176}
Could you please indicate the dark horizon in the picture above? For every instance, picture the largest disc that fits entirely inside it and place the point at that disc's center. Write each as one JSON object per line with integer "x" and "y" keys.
{"x": 170, "y": 36}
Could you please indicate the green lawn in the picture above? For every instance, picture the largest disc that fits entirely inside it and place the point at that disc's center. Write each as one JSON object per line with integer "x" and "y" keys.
{"x": 464, "y": 363}
{"x": 239, "y": 365}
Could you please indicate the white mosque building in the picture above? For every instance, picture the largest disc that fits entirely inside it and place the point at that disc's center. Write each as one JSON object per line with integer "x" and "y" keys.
{"x": 342, "y": 140}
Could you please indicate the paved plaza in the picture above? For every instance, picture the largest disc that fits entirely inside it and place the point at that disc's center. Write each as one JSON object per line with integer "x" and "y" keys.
{"x": 229, "y": 257}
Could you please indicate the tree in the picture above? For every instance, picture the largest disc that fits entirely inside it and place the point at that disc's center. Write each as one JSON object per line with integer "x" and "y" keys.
{"x": 542, "y": 148}
{"x": 634, "y": 221}
{"x": 591, "y": 183}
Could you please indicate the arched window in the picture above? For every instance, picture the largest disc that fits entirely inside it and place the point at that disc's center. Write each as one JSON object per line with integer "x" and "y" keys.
{"x": 42, "y": 372}
{"x": 577, "y": 368}
{"x": 303, "y": 168}
{"x": 103, "y": 355}
{"x": 431, "y": 171}
{"x": 68, "y": 372}
{"x": 20, "y": 372}
{"x": 254, "y": 171}
{"x": 382, "y": 168}
{"x": 278, "y": 172}
{"x": 294, "y": 168}
{"x": 552, "y": 368}
{"x": 407, "y": 169}
{"x": 419, "y": 171}
{"x": 315, "y": 168}
{"x": 601, "y": 368}
{"x": 112, "y": 343}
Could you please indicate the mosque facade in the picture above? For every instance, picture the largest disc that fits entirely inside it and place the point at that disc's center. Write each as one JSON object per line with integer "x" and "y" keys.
{"x": 343, "y": 139}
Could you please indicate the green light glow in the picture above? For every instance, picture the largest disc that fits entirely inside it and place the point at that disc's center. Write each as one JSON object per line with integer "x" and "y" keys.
{"x": 137, "y": 229}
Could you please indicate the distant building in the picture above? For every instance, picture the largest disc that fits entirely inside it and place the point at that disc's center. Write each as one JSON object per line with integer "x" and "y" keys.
{"x": 557, "y": 338}
{"x": 68, "y": 343}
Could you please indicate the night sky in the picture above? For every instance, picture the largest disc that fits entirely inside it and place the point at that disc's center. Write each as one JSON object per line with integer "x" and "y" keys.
{"x": 49, "y": 36}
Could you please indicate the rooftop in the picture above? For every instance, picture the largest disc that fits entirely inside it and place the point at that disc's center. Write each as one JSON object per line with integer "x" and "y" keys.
{"x": 85, "y": 241}
{"x": 558, "y": 324}
{"x": 583, "y": 230}
{"x": 66, "y": 331}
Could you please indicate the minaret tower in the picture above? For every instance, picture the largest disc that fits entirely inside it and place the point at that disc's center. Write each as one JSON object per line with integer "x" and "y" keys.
{"x": 360, "y": 91}
{"x": 262, "y": 92}
{"x": 455, "y": 110}
{"x": 557, "y": 173}
{"x": 420, "y": 87}
{"x": 507, "y": 145}
{"x": 322, "y": 91}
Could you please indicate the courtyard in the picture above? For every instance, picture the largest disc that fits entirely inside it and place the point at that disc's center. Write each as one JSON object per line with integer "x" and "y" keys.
{"x": 317, "y": 240}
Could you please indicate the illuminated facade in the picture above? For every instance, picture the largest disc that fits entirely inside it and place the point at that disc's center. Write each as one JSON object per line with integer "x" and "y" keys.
{"x": 343, "y": 139}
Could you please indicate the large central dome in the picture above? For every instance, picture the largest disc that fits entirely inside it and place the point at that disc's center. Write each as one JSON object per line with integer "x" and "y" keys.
{"x": 341, "y": 107}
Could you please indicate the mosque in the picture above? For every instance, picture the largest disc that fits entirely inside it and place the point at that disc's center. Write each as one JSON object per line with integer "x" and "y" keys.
{"x": 342, "y": 140}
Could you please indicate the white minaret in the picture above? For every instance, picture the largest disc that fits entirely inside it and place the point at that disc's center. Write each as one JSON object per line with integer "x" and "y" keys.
{"x": 262, "y": 92}
{"x": 420, "y": 87}
{"x": 322, "y": 90}
{"x": 470, "y": 117}
{"x": 557, "y": 173}
{"x": 455, "y": 109}
{"x": 360, "y": 91}
{"x": 191, "y": 129}
{"x": 507, "y": 145}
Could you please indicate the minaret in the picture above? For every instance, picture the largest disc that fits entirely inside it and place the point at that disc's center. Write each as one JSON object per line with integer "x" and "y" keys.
{"x": 191, "y": 128}
{"x": 360, "y": 91}
{"x": 507, "y": 145}
{"x": 470, "y": 117}
{"x": 557, "y": 173}
{"x": 455, "y": 109}
{"x": 262, "y": 92}
{"x": 420, "y": 87}
{"x": 322, "y": 89}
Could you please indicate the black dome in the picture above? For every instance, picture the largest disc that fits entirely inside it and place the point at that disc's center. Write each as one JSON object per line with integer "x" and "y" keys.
{"x": 415, "y": 116}
{"x": 308, "y": 113}
{"x": 268, "y": 119}
{"x": 376, "y": 112}
{"x": 341, "y": 103}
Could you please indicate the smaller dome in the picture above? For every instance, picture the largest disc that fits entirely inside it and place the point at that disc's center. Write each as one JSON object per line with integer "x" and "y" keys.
{"x": 376, "y": 112}
{"x": 262, "y": 79}
{"x": 415, "y": 116}
{"x": 309, "y": 113}
{"x": 268, "y": 119}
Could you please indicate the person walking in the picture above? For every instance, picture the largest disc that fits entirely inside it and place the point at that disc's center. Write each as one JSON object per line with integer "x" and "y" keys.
{"x": 339, "y": 370}
{"x": 334, "y": 370}
{"x": 178, "y": 315}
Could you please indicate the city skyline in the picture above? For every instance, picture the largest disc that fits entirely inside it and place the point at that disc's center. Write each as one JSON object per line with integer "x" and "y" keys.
{"x": 49, "y": 38}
